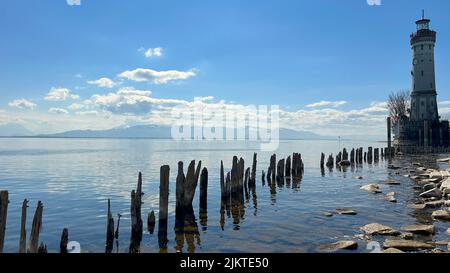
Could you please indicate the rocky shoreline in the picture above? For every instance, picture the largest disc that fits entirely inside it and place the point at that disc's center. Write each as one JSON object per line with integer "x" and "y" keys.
{"x": 432, "y": 200}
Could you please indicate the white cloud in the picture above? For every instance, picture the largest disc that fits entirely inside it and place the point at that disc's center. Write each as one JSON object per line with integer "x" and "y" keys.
{"x": 75, "y": 106}
{"x": 157, "y": 77}
{"x": 60, "y": 94}
{"x": 324, "y": 103}
{"x": 22, "y": 104}
{"x": 103, "y": 82}
{"x": 446, "y": 102}
{"x": 58, "y": 111}
{"x": 73, "y": 2}
{"x": 153, "y": 52}
{"x": 87, "y": 113}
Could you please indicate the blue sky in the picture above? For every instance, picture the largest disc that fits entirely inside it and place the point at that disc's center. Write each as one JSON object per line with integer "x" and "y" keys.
{"x": 291, "y": 53}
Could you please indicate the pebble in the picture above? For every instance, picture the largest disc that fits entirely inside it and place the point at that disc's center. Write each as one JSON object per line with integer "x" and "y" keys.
{"x": 390, "y": 197}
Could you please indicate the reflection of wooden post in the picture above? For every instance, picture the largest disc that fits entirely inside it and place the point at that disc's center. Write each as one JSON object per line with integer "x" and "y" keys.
{"x": 389, "y": 128}
{"x": 3, "y": 215}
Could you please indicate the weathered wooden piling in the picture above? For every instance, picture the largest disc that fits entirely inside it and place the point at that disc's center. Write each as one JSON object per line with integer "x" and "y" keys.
{"x": 280, "y": 169}
{"x": 151, "y": 221}
{"x": 352, "y": 156}
{"x": 64, "y": 241}
{"x": 338, "y": 158}
{"x": 297, "y": 165}
{"x": 252, "y": 181}
{"x": 247, "y": 183}
{"x": 23, "y": 230}
{"x": 136, "y": 217}
{"x": 271, "y": 174}
{"x": 370, "y": 155}
{"x": 204, "y": 197}
{"x": 263, "y": 177}
{"x": 116, "y": 234}
{"x": 365, "y": 156}
{"x": 288, "y": 170}
{"x": 330, "y": 161}
{"x": 33, "y": 244}
{"x": 344, "y": 154}
{"x": 382, "y": 153}
{"x": 109, "y": 230}
{"x": 322, "y": 160}
{"x": 376, "y": 154}
{"x": 163, "y": 205}
{"x": 4, "y": 201}
{"x": 42, "y": 249}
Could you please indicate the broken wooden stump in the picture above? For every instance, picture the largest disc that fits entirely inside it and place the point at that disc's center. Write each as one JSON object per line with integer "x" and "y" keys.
{"x": 42, "y": 249}
{"x": 136, "y": 217}
{"x": 246, "y": 183}
{"x": 204, "y": 197}
{"x": 23, "y": 230}
{"x": 33, "y": 245}
{"x": 252, "y": 180}
{"x": 263, "y": 178}
{"x": 344, "y": 154}
{"x": 163, "y": 206}
{"x": 151, "y": 220}
{"x": 280, "y": 170}
{"x": 4, "y": 201}
{"x": 376, "y": 154}
{"x": 297, "y": 165}
{"x": 64, "y": 241}
{"x": 370, "y": 155}
{"x": 116, "y": 234}
{"x": 109, "y": 230}
{"x": 330, "y": 161}
{"x": 322, "y": 161}
{"x": 352, "y": 156}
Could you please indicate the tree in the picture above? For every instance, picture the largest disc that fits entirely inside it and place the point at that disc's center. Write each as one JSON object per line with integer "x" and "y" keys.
{"x": 398, "y": 104}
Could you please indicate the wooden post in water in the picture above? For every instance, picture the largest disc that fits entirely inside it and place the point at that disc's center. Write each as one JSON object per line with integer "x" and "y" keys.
{"x": 252, "y": 180}
{"x": 136, "y": 217}
{"x": 64, "y": 241}
{"x": 322, "y": 160}
{"x": 23, "y": 230}
{"x": 330, "y": 161}
{"x": 376, "y": 155}
{"x": 151, "y": 220}
{"x": 116, "y": 234}
{"x": 273, "y": 162}
{"x": 263, "y": 177}
{"x": 4, "y": 201}
{"x": 42, "y": 249}
{"x": 163, "y": 206}
{"x": 36, "y": 229}
{"x": 370, "y": 155}
{"x": 344, "y": 154}
{"x": 280, "y": 170}
{"x": 109, "y": 230}
{"x": 352, "y": 156}
{"x": 204, "y": 197}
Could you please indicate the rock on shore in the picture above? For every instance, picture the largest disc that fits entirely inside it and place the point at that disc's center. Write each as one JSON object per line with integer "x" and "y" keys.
{"x": 406, "y": 245}
{"x": 379, "y": 229}
{"x": 420, "y": 229}
{"x": 341, "y": 245}
{"x": 372, "y": 188}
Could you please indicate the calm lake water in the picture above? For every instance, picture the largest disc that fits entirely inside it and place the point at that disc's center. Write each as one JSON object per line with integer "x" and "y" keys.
{"x": 75, "y": 177}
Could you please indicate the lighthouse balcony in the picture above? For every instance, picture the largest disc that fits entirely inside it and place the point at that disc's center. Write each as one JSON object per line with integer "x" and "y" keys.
{"x": 424, "y": 35}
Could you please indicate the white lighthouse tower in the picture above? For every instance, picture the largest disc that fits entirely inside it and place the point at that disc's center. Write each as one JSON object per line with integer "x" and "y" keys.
{"x": 423, "y": 95}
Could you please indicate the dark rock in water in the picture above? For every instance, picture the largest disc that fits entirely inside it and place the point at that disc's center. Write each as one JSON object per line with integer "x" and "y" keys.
{"x": 407, "y": 236}
{"x": 372, "y": 188}
{"x": 344, "y": 211}
{"x": 407, "y": 245}
{"x": 443, "y": 215}
{"x": 341, "y": 245}
{"x": 416, "y": 206}
{"x": 421, "y": 229}
{"x": 431, "y": 193}
{"x": 393, "y": 182}
{"x": 390, "y": 197}
{"x": 345, "y": 163}
{"x": 392, "y": 167}
{"x": 359, "y": 177}
{"x": 379, "y": 229}
{"x": 393, "y": 251}
{"x": 429, "y": 186}
{"x": 434, "y": 204}
{"x": 327, "y": 214}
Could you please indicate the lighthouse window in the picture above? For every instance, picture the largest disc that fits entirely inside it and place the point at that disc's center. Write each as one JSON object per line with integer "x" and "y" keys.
{"x": 421, "y": 47}
{"x": 422, "y": 73}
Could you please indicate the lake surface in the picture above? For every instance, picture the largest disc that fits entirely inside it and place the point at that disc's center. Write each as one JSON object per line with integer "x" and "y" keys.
{"x": 75, "y": 177}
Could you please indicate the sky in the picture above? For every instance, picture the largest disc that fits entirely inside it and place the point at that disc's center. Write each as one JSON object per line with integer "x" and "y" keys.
{"x": 329, "y": 65}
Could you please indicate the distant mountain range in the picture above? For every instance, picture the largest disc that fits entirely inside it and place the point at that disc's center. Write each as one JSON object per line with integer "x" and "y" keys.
{"x": 162, "y": 132}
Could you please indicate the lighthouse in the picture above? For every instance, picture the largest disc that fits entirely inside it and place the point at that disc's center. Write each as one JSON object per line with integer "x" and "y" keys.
{"x": 423, "y": 130}
{"x": 423, "y": 95}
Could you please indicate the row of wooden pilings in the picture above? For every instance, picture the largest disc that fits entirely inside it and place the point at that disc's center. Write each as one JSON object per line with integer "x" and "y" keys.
{"x": 357, "y": 156}
{"x": 236, "y": 186}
